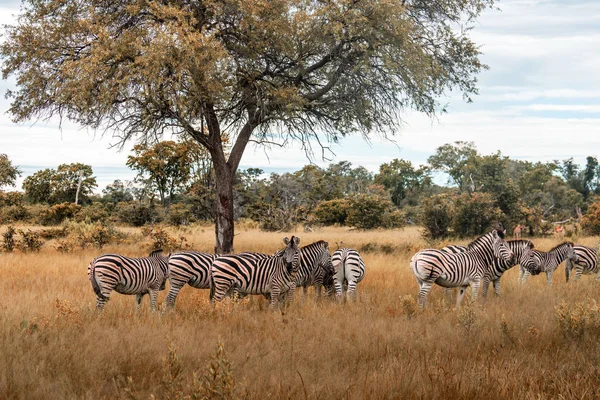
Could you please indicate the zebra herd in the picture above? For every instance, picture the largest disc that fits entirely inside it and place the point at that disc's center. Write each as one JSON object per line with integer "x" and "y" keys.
{"x": 274, "y": 276}
{"x": 487, "y": 258}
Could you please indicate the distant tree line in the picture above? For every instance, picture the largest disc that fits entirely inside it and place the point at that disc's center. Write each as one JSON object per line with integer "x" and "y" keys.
{"x": 175, "y": 184}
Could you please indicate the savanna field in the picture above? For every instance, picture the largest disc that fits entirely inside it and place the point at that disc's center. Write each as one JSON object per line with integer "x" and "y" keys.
{"x": 533, "y": 342}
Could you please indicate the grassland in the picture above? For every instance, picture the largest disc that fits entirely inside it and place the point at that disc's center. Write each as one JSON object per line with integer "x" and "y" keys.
{"x": 533, "y": 342}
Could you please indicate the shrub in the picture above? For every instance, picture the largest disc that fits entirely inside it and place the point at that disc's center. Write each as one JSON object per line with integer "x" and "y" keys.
{"x": 394, "y": 219}
{"x": 590, "y": 222}
{"x": 82, "y": 235}
{"x": 8, "y": 239}
{"x": 11, "y": 199}
{"x": 161, "y": 240}
{"x": 136, "y": 214}
{"x": 473, "y": 214}
{"x": 332, "y": 212}
{"x": 58, "y": 213}
{"x": 13, "y": 213}
{"x": 180, "y": 214}
{"x": 436, "y": 216}
{"x": 29, "y": 241}
{"x": 367, "y": 211}
{"x": 95, "y": 212}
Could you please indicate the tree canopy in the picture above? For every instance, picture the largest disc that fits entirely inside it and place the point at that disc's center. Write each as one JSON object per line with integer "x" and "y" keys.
{"x": 8, "y": 172}
{"x": 260, "y": 70}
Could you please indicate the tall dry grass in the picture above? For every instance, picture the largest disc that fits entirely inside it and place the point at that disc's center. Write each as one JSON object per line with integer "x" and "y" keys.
{"x": 533, "y": 342}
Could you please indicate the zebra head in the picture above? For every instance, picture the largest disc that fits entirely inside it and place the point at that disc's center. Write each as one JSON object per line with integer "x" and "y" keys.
{"x": 571, "y": 255}
{"x": 325, "y": 259}
{"x": 291, "y": 254}
{"x": 500, "y": 247}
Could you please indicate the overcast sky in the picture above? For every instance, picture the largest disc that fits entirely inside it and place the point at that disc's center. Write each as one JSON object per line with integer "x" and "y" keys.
{"x": 540, "y": 100}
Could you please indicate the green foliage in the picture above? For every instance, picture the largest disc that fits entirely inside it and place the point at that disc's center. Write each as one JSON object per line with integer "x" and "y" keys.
{"x": 404, "y": 182}
{"x": 332, "y": 212}
{"x": 60, "y": 185}
{"x": 95, "y": 212}
{"x": 590, "y": 222}
{"x": 29, "y": 241}
{"x": 160, "y": 239}
{"x": 8, "y": 172}
{"x": 117, "y": 192}
{"x": 180, "y": 214}
{"x": 474, "y": 214}
{"x": 453, "y": 159}
{"x": 17, "y": 213}
{"x": 8, "y": 239}
{"x": 437, "y": 216}
{"x": 58, "y": 213}
{"x": 136, "y": 214}
{"x": 368, "y": 211}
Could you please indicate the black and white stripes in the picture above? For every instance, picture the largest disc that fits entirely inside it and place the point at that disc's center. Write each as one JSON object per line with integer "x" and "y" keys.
{"x": 125, "y": 275}
{"x": 460, "y": 269}
{"x": 274, "y": 275}
{"x": 548, "y": 262}
{"x": 586, "y": 264}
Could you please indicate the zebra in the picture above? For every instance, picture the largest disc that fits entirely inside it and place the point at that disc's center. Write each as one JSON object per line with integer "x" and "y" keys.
{"x": 125, "y": 275}
{"x": 460, "y": 269}
{"x": 348, "y": 269}
{"x": 193, "y": 268}
{"x": 499, "y": 266}
{"x": 243, "y": 274}
{"x": 315, "y": 262}
{"x": 587, "y": 263}
{"x": 548, "y": 262}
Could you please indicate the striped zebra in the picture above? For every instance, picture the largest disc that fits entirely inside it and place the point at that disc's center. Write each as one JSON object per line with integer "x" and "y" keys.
{"x": 125, "y": 275}
{"x": 548, "y": 262}
{"x": 348, "y": 271}
{"x": 193, "y": 268}
{"x": 587, "y": 263}
{"x": 460, "y": 269}
{"x": 243, "y": 274}
{"x": 499, "y": 266}
{"x": 315, "y": 262}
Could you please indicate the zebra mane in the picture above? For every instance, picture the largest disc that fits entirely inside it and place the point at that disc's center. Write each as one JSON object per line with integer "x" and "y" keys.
{"x": 561, "y": 245}
{"x": 479, "y": 240}
{"x": 155, "y": 253}
{"x": 315, "y": 244}
{"x": 521, "y": 241}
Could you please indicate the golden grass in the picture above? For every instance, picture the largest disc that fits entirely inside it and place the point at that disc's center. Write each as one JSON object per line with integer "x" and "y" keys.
{"x": 54, "y": 345}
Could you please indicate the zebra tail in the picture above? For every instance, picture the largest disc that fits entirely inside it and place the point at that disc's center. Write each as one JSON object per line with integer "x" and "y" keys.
{"x": 95, "y": 285}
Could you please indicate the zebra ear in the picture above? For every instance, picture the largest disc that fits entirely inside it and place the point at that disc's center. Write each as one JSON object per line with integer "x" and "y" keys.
{"x": 286, "y": 240}
{"x": 495, "y": 234}
{"x": 296, "y": 240}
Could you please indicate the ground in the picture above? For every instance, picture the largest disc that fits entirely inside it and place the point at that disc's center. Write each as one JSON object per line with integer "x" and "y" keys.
{"x": 533, "y": 342}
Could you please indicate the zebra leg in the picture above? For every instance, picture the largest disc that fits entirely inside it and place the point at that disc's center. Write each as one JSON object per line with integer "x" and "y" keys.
{"x": 175, "y": 287}
{"x": 275, "y": 293}
{"x": 568, "y": 269}
{"x": 101, "y": 301}
{"x": 525, "y": 276}
{"x": 304, "y": 291}
{"x": 521, "y": 274}
{"x": 461, "y": 294}
{"x": 475, "y": 285}
{"x": 578, "y": 272}
{"x": 423, "y": 292}
{"x": 289, "y": 296}
{"x": 497, "y": 287}
{"x": 138, "y": 300}
{"x": 485, "y": 287}
{"x": 318, "y": 287}
{"x": 448, "y": 294}
{"x": 351, "y": 293}
{"x": 549, "y": 278}
{"x": 153, "y": 293}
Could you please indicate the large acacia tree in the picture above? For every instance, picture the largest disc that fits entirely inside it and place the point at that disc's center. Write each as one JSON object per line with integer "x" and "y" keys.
{"x": 261, "y": 70}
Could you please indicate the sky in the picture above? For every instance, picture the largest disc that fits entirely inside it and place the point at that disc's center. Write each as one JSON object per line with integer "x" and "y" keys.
{"x": 539, "y": 101}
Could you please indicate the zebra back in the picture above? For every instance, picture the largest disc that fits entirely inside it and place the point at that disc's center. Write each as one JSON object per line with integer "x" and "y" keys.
{"x": 256, "y": 273}
{"x": 587, "y": 259}
{"x": 315, "y": 261}
{"x": 539, "y": 261}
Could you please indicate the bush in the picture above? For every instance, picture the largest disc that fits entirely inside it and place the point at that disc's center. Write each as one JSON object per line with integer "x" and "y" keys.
{"x": 367, "y": 211}
{"x": 394, "y": 219}
{"x": 332, "y": 212}
{"x": 161, "y": 240}
{"x": 437, "y": 216}
{"x": 8, "y": 199}
{"x": 13, "y": 213}
{"x": 474, "y": 214}
{"x": 136, "y": 214}
{"x": 29, "y": 241}
{"x": 180, "y": 214}
{"x": 95, "y": 212}
{"x": 8, "y": 239}
{"x": 590, "y": 222}
{"x": 58, "y": 213}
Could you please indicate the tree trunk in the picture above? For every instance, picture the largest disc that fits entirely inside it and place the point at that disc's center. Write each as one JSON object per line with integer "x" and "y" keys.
{"x": 224, "y": 218}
